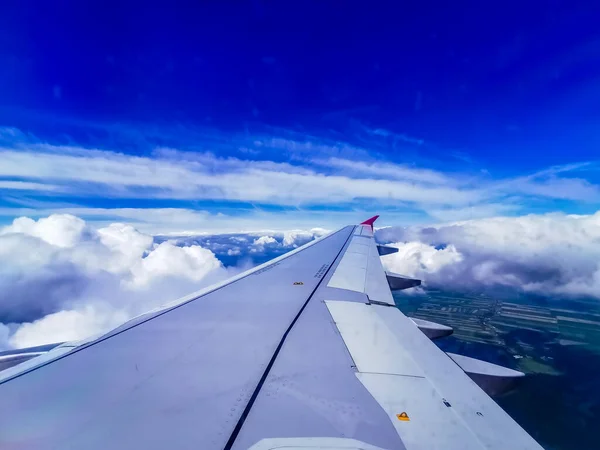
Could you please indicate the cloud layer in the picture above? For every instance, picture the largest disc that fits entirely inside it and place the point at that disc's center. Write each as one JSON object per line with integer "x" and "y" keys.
{"x": 552, "y": 254}
{"x": 181, "y": 175}
{"x": 62, "y": 279}
{"x": 237, "y": 174}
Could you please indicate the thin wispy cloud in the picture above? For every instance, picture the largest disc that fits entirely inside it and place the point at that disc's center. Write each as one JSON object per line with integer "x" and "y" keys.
{"x": 240, "y": 180}
{"x": 552, "y": 254}
{"x": 321, "y": 180}
{"x": 69, "y": 280}
{"x": 284, "y": 178}
{"x": 27, "y": 186}
{"x": 382, "y": 170}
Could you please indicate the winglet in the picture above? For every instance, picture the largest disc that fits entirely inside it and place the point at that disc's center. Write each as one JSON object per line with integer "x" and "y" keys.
{"x": 370, "y": 221}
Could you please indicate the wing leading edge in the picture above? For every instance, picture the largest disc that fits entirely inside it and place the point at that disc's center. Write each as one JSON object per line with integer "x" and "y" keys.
{"x": 306, "y": 351}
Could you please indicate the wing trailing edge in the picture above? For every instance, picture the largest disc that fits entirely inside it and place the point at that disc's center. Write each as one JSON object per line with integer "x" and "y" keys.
{"x": 492, "y": 378}
{"x": 400, "y": 282}
{"x": 385, "y": 250}
{"x": 431, "y": 329}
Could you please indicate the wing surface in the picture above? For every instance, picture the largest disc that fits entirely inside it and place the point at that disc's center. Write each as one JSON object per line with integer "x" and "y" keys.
{"x": 316, "y": 388}
{"x": 306, "y": 351}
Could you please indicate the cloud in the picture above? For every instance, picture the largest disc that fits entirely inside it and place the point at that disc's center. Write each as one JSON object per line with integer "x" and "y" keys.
{"x": 62, "y": 279}
{"x": 387, "y": 170}
{"x": 183, "y": 221}
{"x": 27, "y": 186}
{"x": 265, "y": 244}
{"x": 296, "y": 238}
{"x": 553, "y": 187}
{"x": 417, "y": 258}
{"x": 396, "y": 136}
{"x": 68, "y": 325}
{"x": 549, "y": 184}
{"x": 4, "y": 334}
{"x": 473, "y": 212}
{"x": 548, "y": 254}
{"x": 60, "y": 231}
{"x": 301, "y": 147}
{"x": 264, "y": 240}
{"x": 307, "y": 173}
{"x": 168, "y": 260}
{"x": 95, "y": 172}
{"x": 289, "y": 239}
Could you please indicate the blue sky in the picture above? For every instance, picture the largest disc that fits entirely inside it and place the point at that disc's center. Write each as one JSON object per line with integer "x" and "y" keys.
{"x": 286, "y": 115}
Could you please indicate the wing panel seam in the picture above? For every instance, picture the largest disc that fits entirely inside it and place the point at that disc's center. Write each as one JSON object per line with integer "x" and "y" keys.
{"x": 263, "y": 378}
{"x": 161, "y": 313}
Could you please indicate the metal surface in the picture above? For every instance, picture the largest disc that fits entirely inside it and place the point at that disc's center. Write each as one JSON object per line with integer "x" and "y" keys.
{"x": 376, "y": 286}
{"x": 386, "y": 250}
{"x": 11, "y": 358}
{"x": 312, "y": 389}
{"x": 351, "y": 271}
{"x": 400, "y": 282}
{"x": 431, "y": 424}
{"x": 492, "y": 378}
{"x": 405, "y": 372}
{"x": 432, "y": 330}
{"x": 316, "y": 443}
{"x": 360, "y": 269}
{"x": 371, "y": 344}
{"x": 189, "y": 391}
{"x": 303, "y": 351}
{"x": 478, "y": 412}
{"x": 37, "y": 349}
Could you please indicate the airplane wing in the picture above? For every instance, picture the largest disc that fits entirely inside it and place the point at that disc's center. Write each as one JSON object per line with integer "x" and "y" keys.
{"x": 306, "y": 351}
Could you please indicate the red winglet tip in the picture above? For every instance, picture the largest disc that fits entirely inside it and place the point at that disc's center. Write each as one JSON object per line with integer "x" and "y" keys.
{"x": 370, "y": 221}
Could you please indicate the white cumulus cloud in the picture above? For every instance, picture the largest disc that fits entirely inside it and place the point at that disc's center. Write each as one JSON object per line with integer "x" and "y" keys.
{"x": 68, "y": 325}
{"x": 57, "y": 230}
{"x": 295, "y": 238}
{"x": 264, "y": 240}
{"x": 549, "y": 254}
{"x": 62, "y": 279}
{"x": 168, "y": 260}
{"x": 417, "y": 258}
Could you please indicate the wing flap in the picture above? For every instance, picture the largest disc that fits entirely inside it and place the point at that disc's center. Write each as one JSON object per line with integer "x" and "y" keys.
{"x": 386, "y": 250}
{"x": 371, "y": 344}
{"x": 418, "y": 413}
{"x": 406, "y": 372}
{"x": 400, "y": 282}
{"x": 360, "y": 270}
{"x": 432, "y": 330}
{"x": 492, "y": 378}
{"x": 480, "y": 414}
